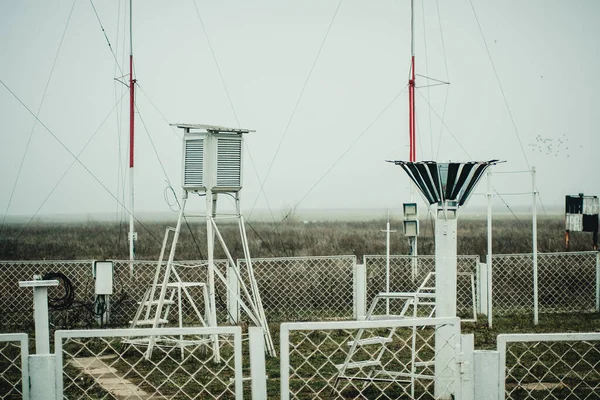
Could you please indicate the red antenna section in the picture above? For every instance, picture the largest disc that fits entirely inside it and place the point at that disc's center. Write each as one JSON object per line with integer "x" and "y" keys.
{"x": 411, "y": 111}
{"x": 131, "y": 110}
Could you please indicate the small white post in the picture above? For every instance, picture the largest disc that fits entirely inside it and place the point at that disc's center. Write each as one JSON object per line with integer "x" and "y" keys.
{"x": 467, "y": 387}
{"x": 482, "y": 286}
{"x": 42, "y": 364}
{"x": 360, "y": 291}
{"x": 597, "y": 282}
{"x": 489, "y": 244}
{"x": 535, "y": 249}
{"x": 487, "y": 376}
{"x": 490, "y": 303}
{"x": 257, "y": 363}
{"x": 40, "y": 311}
{"x": 387, "y": 264}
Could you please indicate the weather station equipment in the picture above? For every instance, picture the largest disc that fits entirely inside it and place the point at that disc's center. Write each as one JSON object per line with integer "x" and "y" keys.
{"x": 212, "y": 165}
{"x": 103, "y": 272}
{"x": 447, "y": 186}
{"x": 411, "y": 231}
{"x": 581, "y": 215}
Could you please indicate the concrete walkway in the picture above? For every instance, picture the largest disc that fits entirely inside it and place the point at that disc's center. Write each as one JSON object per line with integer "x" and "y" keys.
{"x": 110, "y": 379}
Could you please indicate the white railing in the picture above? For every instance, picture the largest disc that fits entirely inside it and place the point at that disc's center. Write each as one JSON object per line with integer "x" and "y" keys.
{"x": 14, "y": 366}
{"x": 549, "y": 366}
{"x": 417, "y": 357}
{"x": 103, "y": 363}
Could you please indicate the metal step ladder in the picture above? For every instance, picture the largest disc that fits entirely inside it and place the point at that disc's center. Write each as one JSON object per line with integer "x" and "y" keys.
{"x": 423, "y": 296}
{"x": 155, "y": 307}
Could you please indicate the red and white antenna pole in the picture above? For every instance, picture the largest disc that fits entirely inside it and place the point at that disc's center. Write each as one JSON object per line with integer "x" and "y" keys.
{"x": 413, "y": 240}
{"x": 132, "y": 234}
{"x": 411, "y": 88}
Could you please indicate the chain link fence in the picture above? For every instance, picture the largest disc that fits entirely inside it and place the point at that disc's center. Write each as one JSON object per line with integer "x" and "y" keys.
{"x": 550, "y": 366}
{"x": 305, "y": 288}
{"x": 72, "y": 303}
{"x": 300, "y": 288}
{"x": 408, "y": 272}
{"x": 103, "y": 364}
{"x": 567, "y": 282}
{"x": 14, "y": 366}
{"x": 319, "y": 360}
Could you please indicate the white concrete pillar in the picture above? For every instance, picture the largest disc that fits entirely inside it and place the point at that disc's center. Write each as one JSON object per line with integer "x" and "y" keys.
{"x": 445, "y": 300}
{"x": 486, "y": 368}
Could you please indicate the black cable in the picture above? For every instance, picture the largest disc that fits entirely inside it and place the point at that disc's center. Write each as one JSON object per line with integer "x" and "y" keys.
{"x": 66, "y": 300}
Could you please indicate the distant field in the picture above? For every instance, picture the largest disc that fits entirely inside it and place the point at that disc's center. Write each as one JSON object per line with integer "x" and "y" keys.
{"x": 93, "y": 240}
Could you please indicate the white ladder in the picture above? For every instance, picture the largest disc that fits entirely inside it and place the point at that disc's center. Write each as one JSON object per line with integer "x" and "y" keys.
{"x": 423, "y": 296}
{"x": 153, "y": 311}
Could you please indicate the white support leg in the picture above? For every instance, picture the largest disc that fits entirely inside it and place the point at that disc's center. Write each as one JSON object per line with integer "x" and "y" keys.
{"x": 445, "y": 303}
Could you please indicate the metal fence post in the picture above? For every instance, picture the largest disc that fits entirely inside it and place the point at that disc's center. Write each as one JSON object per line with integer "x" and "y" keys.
{"x": 598, "y": 282}
{"x": 467, "y": 344}
{"x": 233, "y": 306}
{"x": 490, "y": 274}
{"x": 487, "y": 374}
{"x": 360, "y": 291}
{"x": 284, "y": 361}
{"x": 482, "y": 288}
{"x": 535, "y": 250}
{"x": 257, "y": 363}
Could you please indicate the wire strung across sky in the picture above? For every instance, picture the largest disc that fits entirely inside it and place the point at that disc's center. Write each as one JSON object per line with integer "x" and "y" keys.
{"x": 37, "y": 114}
{"x": 77, "y": 160}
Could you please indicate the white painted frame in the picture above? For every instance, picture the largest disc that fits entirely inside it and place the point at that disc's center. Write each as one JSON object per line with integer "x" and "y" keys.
{"x": 236, "y": 331}
{"x": 286, "y": 328}
{"x": 22, "y": 338}
{"x": 533, "y": 337}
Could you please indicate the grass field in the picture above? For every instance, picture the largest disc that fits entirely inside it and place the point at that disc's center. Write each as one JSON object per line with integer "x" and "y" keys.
{"x": 96, "y": 240}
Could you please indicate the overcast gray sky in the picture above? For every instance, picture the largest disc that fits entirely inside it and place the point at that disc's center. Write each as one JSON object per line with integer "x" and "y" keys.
{"x": 545, "y": 53}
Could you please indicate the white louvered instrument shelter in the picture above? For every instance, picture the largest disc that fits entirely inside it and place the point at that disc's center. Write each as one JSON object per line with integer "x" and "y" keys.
{"x": 212, "y": 158}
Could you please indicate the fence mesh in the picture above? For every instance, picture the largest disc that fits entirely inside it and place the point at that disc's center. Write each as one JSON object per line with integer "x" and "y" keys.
{"x": 560, "y": 366}
{"x": 566, "y": 282}
{"x": 407, "y": 273}
{"x": 305, "y": 288}
{"x": 99, "y": 366}
{"x": 13, "y": 351}
{"x": 322, "y": 364}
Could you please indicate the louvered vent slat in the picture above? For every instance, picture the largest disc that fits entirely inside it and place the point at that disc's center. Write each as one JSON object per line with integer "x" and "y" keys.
{"x": 229, "y": 159}
{"x": 194, "y": 163}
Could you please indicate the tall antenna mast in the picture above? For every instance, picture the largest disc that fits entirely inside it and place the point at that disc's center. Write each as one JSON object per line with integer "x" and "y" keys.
{"x": 411, "y": 87}
{"x": 132, "y": 233}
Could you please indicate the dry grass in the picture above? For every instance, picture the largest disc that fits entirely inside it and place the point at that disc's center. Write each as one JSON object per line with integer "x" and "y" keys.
{"x": 96, "y": 240}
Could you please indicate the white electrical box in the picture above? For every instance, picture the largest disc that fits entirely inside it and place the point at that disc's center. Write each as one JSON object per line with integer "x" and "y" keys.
{"x": 103, "y": 276}
{"x": 411, "y": 228}
{"x": 410, "y": 210}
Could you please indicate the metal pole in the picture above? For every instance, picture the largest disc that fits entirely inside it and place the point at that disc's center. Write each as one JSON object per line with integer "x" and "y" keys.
{"x": 411, "y": 88}
{"x": 132, "y": 235}
{"x": 387, "y": 265}
{"x": 210, "y": 240}
{"x": 489, "y": 246}
{"x": 597, "y": 282}
{"x": 534, "y": 245}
